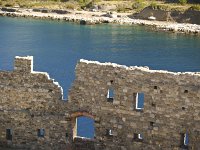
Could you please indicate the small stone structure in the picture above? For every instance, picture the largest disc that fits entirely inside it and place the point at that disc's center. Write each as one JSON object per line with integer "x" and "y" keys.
{"x": 33, "y": 114}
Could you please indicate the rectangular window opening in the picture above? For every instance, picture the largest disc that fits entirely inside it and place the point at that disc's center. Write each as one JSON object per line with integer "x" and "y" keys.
{"x": 9, "y": 134}
{"x": 109, "y": 132}
{"x": 110, "y": 95}
{"x": 41, "y": 132}
{"x": 140, "y": 101}
{"x": 153, "y": 104}
{"x": 184, "y": 140}
{"x": 67, "y": 136}
{"x": 152, "y": 124}
{"x": 138, "y": 137}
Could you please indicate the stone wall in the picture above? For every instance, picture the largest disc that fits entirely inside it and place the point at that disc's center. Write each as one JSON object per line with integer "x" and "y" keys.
{"x": 31, "y": 100}
{"x": 171, "y": 105}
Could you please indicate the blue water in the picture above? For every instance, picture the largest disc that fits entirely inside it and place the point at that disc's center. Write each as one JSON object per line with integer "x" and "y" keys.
{"x": 57, "y": 46}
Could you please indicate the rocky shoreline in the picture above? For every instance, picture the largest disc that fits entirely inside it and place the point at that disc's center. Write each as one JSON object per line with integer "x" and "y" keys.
{"x": 92, "y": 17}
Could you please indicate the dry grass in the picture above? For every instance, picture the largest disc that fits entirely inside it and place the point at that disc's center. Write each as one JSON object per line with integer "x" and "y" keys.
{"x": 40, "y": 4}
{"x": 122, "y": 5}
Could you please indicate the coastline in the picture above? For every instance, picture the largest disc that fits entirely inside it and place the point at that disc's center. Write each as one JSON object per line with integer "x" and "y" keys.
{"x": 91, "y": 18}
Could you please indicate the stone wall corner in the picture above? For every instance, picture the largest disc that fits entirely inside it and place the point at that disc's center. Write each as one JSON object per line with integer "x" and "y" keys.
{"x": 23, "y": 64}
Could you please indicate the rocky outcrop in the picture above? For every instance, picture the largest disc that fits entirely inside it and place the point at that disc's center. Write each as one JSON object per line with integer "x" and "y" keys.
{"x": 189, "y": 16}
{"x": 57, "y": 11}
{"x": 7, "y": 9}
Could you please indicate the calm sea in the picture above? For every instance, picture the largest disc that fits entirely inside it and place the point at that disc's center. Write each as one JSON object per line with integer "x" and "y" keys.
{"x": 57, "y": 46}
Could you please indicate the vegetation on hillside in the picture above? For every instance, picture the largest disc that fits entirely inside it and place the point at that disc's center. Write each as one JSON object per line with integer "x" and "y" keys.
{"x": 121, "y": 5}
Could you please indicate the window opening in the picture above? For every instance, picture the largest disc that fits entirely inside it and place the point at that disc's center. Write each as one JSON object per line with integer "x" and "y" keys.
{"x": 153, "y": 104}
{"x": 110, "y": 95}
{"x": 184, "y": 140}
{"x": 41, "y": 132}
{"x": 85, "y": 127}
{"x": 139, "y": 101}
{"x": 152, "y": 124}
{"x": 138, "y": 137}
{"x": 67, "y": 136}
{"x": 109, "y": 132}
{"x": 9, "y": 134}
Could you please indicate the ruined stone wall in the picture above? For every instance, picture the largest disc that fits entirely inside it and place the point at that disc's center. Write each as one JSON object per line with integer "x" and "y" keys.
{"x": 171, "y": 105}
{"x": 31, "y": 100}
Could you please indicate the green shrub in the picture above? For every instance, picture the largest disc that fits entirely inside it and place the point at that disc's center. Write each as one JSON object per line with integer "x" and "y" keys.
{"x": 69, "y": 6}
{"x": 85, "y": 3}
{"x": 9, "y": 4}
{"x": 138, "y": 4}
{"x": 55, "y": 0}
{"x": 154, "y": 5}
{"x": 195, "y": 7}
{"x": 121, "y": 8}
{"x": 183, "y": 2}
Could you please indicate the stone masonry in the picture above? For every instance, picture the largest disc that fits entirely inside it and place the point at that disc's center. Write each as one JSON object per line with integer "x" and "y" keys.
{"x": 33, "y": 114}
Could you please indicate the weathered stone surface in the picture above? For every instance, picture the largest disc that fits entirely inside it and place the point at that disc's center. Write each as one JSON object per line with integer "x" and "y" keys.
{"x": 31, "y": 100}
{"x": 171, "y": 100}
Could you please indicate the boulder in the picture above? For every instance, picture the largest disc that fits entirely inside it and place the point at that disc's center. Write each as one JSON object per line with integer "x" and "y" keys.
{"x": 7, "y": 9}
{"x": 83, "y": 22}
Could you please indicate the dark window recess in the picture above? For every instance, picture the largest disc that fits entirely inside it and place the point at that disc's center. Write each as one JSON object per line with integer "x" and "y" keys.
{"x": 110, "y": 95}
{"x": 50, "y": 90}
{"x": 184, "y": 140}
{"x": 139, "y": 101}
{"x": 155, "y": 87}
{"x": 152, "y": 124}
{"x": 9, "y": 134}
{"x": 183, "y": 108}
{"x": 153, "y": 104}
{"x": 41, "y": 132}
{"x": 186, "y": 91}
{"x": 109, "y": 132}
{"x": 66, "y": 136}
{"x": 138, "y": 137}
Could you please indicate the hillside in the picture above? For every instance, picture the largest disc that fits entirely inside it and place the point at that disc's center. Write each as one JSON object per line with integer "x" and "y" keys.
{"x": 181, "y": 11}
